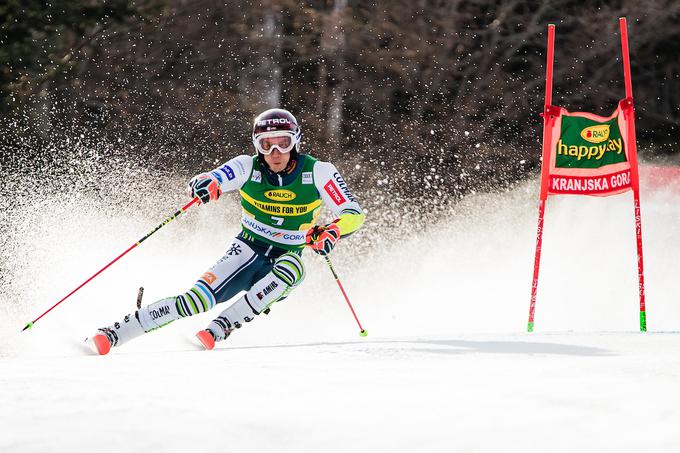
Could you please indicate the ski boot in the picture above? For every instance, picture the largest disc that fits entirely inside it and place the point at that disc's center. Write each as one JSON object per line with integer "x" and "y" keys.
{"x": 218, "y": 330}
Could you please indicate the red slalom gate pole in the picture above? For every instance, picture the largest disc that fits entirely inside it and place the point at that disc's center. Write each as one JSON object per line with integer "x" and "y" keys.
{"x": 623, "y": 26}
{"x": 537, "y": 265}
{"x": 165, "y": 222}
{"x": 548, "y": 122}
{"x": 629, "y": 111}
{"x": 362, "y": 331}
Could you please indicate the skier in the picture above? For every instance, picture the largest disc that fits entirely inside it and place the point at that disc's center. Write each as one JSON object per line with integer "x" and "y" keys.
{"x": 281, "y": 195}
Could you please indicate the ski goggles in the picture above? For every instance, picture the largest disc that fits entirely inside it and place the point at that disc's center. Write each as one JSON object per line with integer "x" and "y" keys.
{"x": 267, "y": 142}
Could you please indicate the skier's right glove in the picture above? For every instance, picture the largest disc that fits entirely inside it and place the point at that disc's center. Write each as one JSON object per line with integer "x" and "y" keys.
{"x": 322, "y": 239}
{"x": 204, "y": 186}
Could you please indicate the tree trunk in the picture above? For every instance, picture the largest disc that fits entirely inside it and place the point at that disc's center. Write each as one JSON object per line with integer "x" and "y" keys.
{"x": 333, "y": 45}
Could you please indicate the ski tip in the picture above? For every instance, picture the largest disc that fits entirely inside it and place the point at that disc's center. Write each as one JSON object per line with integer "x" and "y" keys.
{"x": 99, "y": 344}
{"x": 29, "y": 326}
{"x": 363, "y": 333}
{"x": 206, "y": 339}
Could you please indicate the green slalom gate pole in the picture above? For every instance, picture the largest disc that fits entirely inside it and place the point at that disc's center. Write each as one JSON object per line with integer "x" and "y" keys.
{"x": 165, "y": 222}
{"x": 362, "y": 331}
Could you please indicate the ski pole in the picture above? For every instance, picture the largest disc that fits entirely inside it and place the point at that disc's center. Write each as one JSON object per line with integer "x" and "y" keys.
{"x": 363, "y": 331}
{"x": 165, "y": 222}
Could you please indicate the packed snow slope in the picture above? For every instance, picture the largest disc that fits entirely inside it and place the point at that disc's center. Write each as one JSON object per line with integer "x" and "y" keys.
{"x": 447, "y": 365}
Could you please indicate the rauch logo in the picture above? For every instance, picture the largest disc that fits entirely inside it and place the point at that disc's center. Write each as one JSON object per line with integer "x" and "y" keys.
{"x": 280, "y": 195}
{"x": 596, "y": 134}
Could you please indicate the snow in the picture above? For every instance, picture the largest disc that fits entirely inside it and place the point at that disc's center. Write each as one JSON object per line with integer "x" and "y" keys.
{"x": 558, "y": 392}
{"x": 447, "y": 364}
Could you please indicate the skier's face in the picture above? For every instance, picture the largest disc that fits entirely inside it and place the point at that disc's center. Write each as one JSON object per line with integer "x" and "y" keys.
{"x": 277, "y": 160}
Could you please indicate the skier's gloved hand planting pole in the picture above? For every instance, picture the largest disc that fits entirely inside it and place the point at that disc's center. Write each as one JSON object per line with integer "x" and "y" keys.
{"x": 205, "y": 186}
{"x": 281, "y": 195}
{"x": 322, "y": 239}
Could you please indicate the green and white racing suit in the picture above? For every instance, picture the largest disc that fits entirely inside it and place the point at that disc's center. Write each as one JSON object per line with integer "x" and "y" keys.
{"x": 264, "y": 260}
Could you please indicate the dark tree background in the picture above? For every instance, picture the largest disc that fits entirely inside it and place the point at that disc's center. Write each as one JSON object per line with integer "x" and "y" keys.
{"x": 399, "y": 90}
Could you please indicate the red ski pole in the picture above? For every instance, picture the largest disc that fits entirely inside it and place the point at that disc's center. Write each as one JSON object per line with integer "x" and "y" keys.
{"x": 165, "y": 222}
{"x": 362, "y": 331}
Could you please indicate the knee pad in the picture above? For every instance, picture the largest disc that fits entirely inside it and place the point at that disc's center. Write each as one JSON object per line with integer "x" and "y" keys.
{"x": 287, "y": 273}
{"x": 197, "y": 300}
{"x": 290, "y": 269}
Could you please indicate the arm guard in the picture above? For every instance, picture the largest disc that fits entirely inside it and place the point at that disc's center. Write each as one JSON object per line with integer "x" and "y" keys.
{"x": 337, "y": 196}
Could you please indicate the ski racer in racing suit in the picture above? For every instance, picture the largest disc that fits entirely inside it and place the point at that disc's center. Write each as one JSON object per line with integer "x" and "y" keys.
{"x": 281, "y": 195}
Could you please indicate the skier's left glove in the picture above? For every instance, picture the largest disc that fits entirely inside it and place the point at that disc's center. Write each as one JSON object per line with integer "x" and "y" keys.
{"x": 204, "y": 186}
{"x": 322, "y": 239}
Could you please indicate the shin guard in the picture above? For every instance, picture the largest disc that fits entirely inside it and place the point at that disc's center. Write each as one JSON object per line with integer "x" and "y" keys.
{"x": 159, "y": 314}
{"x": 287, "y": 273}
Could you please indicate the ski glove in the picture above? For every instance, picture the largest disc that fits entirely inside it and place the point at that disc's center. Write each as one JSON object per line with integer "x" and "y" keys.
{"x": 206, "y": 187}
{"x": 322, "y": 239}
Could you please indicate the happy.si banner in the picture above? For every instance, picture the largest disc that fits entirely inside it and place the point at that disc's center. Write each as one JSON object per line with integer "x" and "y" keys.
{"x": 589, "y": 154}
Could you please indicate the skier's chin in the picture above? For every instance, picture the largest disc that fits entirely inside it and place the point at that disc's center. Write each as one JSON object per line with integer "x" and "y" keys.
{"x": 277, "y": 167}
{"x": 278, "y": 163}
